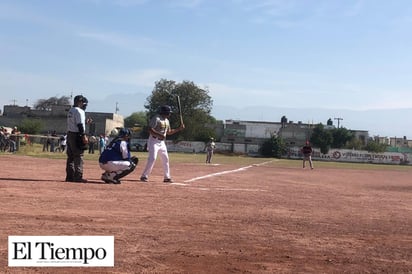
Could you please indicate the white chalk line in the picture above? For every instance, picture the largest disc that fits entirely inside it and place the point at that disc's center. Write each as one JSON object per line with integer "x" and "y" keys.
{"x": 232, "y": 189}
{"x": 222, "y": 173}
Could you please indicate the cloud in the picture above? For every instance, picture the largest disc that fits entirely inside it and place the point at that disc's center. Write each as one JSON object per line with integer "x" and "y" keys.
{"x": 272, "y": 7}
{"x": 355, "y": 9}
{"x": 225, "y": 94}
{"x": 21, "y": 13}
{"x": 120, "y": 41}
{"x": 287, "y": 14}
{"x": 341, "y": 96}
{"x": 282, "y": 14}
{"x": 120, "y": 3}
{"x": 26, "y": 87}
{"x": 10, "y": 80}
{"x": 189, "y": 4}
{"x": 141, "y": 78}
{"x": 132, "y": 3}
{"x": 127, "y": 3}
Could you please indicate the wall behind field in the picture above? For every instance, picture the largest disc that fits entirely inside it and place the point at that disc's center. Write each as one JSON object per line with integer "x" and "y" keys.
{"x": 334, "y": 155}
{"x": 355, "y": 156}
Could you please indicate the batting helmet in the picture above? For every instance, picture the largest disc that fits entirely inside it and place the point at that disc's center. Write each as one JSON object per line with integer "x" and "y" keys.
{"x": 124, "y": 132}
{"x": 165, "y": 110}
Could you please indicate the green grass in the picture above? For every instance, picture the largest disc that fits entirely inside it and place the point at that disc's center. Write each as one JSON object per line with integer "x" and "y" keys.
{"x": 36, "y": 150}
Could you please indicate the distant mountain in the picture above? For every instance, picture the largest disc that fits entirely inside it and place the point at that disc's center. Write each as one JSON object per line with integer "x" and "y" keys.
{"x": 385, "y": 122}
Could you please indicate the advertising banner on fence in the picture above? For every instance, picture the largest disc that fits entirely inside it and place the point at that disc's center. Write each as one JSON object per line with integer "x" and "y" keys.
{"x": 357, "y": 156}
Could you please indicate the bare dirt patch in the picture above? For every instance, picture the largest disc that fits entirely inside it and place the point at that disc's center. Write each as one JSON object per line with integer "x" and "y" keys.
{"x": 261, "y": 219}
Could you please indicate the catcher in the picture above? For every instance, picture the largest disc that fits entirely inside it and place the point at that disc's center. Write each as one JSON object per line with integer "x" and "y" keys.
{"x": 116, "y": 160}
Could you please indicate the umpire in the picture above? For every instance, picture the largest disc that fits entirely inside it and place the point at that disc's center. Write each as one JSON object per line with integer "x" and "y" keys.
{"x": 76, "y": 140}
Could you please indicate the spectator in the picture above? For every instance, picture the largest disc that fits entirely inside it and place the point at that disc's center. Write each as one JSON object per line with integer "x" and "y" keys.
{"x": 15, "y": 139}
{"x": 102, "y": 143}
{"x": 53, "y": 141}
{"x": 92, "y": 142}
{"x": 46, "y": 143}
{"x": 62, "y": 142}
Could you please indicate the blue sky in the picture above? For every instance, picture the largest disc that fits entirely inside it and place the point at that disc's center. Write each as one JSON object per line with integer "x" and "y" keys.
{"x": 260, "y": 59}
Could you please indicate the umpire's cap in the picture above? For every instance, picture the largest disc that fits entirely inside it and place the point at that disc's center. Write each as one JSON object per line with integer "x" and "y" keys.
{"x": 80, "y": 98}
{"x": 165, "y": 110}
{"x": 124, "y": 132}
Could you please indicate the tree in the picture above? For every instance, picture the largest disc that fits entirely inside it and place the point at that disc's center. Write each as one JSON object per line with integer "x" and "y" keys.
{"x": 46, "y": 104}
{"x": 341, "y": 136}
{"x": 273, "y": 147}
{"x": 354, "y": 144}
{"x": 137, "y": 122}
{"x": 321, "y": 138}
{"x": 196, "y": 108}
{"x": 376, "y": 147}
{"x": 30, "y": 126}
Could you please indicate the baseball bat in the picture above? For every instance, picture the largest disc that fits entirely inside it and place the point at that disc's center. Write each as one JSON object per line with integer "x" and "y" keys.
{"x": 179, "y": 106}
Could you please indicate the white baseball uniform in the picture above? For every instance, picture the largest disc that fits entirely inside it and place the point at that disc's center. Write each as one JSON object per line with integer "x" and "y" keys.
{"x": 156, "y": 145}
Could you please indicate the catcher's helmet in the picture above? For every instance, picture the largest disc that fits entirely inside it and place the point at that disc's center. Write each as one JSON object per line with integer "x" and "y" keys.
{"x": 165, "y": 110}
{"x": 124, "y": 132}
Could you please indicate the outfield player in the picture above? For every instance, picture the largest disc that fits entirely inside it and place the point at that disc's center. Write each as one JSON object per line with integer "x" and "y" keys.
{"x": 307, "y": 154}
{"x": 116, "y": 160}
{"x": 159, "y": 128}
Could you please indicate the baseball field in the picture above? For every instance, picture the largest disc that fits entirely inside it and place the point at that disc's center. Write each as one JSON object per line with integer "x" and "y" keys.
{"x": 237, "y": 215}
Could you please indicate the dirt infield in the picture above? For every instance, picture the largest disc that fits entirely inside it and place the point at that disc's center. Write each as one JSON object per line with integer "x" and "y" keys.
{"x": 227, "y": 218}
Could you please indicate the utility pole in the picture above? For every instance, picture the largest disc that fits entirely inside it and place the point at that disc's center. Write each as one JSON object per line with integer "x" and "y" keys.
{"x": 339, "y": 119}
{"x": 117, "y": 107}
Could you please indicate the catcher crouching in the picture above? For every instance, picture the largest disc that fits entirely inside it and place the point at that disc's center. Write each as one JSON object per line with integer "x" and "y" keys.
{"x": 116, "y": 160}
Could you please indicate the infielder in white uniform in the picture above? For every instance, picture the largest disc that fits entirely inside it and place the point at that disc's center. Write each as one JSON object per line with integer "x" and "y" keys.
{"x": 159, "y": 128}
{"x": 209, "y": 148}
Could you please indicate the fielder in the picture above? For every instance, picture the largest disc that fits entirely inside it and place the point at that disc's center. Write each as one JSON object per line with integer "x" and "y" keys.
{"x": 307, "y": 154}
{"x": 159, "y": 128}
{"x": 116, "y": 160}
{"x": 209, "y": 148}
